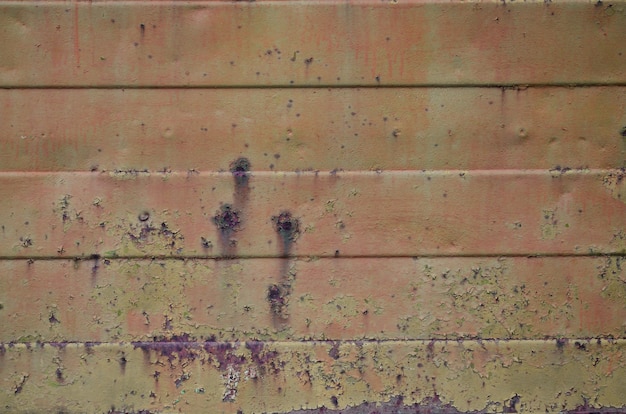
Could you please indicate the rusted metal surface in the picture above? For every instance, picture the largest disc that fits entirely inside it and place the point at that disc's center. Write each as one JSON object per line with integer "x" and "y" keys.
{"x": 131, "y": 213}
{"x": 325, "y": 299}
{"x": 312, "y": 43}
{"x": 440, "y": 376}
{"x": 312, "y": 207}
{"x": 312, "y": 129}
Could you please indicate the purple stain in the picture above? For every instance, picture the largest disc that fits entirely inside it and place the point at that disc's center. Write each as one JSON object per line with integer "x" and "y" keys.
{"x": 287, "y": 226}
{"x": 334, "y": 351}
{"x": 227, "y": 219}
{"x": 240, "y": 169}
{"x": 278, "y": 297}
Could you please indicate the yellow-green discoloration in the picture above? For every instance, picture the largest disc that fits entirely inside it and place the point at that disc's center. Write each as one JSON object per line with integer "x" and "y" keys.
{"x": 338, "y": 299}
{"x": 282, "y": 377}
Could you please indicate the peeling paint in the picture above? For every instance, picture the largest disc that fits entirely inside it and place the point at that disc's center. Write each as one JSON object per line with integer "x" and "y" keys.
{"x": 434, "y": 224}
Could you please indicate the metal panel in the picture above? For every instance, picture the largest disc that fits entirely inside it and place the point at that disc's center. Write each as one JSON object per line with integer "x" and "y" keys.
{"x": 312, "y": 128}
{"x": 311, "y": 43}
{"x": 404, "y": 377}
{"x": 324, "y": 299}
{"x": 312, "y": 207}
{"x": 132, "y": 214}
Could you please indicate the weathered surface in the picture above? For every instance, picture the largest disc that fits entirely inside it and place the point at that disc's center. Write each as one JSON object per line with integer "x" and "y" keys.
{"x": 325, "y": 299}
{"x": 311, "y": 43}
{"x": 312, "y": 207}
{"x": 312, "y": 129}
{"x": 489, "y": 376}
{"x": 130, "y": 214}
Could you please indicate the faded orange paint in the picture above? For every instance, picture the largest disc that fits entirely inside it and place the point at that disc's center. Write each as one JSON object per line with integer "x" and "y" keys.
{"x": 269, "y": 43}
{"x": 312, "y": 129}
{"x": 343, "y": 213}
{"x": 307, "y": 207}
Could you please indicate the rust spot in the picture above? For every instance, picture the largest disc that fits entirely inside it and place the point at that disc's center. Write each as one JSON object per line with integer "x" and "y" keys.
{"x": 53, "y": 319}
{"x": 265, "y": 360}
{"x": 240, "y": 168}
{"x": 510, "y": 405}
{"x": 288, "y": 228}
{"x": 206, "y": 243}
{"x": 122, "y": 361}
{"x": 94, "y": 268}
{"x": 227, "y": 219}
{"x": 588, "y": 409}
{"x": 146, "y": 233}
{"x": 334, "y": 351}
{"x": 59, "y": 374}
{"x": 278, "y": 297}
{"x": 394, "y": 406}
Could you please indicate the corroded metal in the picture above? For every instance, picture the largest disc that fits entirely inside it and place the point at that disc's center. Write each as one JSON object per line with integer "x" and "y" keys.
{"x": 440, "y": 376}
{"x": 326, "y": 299}
{"x": 312, "y": 207}
{"x": 205, "y": 43}
{"x": 312, "y": 129}
{"x": 408, "y": 213}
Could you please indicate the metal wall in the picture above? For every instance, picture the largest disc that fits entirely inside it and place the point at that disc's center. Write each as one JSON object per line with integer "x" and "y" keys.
{"x": 307, "y": 207}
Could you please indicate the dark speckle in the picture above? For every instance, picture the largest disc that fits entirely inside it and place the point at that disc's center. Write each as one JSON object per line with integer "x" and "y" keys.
{"x": 286, "y": 225}
{"x": 206, "y": 243}
{"x": 227, "y": 219}
{"x": 308, "y": 61}
{"x": 278, "y": 297}
{"x": 240, "y": 165}
{"x": 623, "y": 132}
{"x": 334, "y": 400}
{"x": 144, "y": 216}
{"x": 240, "y": 169}
{"x": 334, "y": 351}
{"x": 122, "y": 361}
